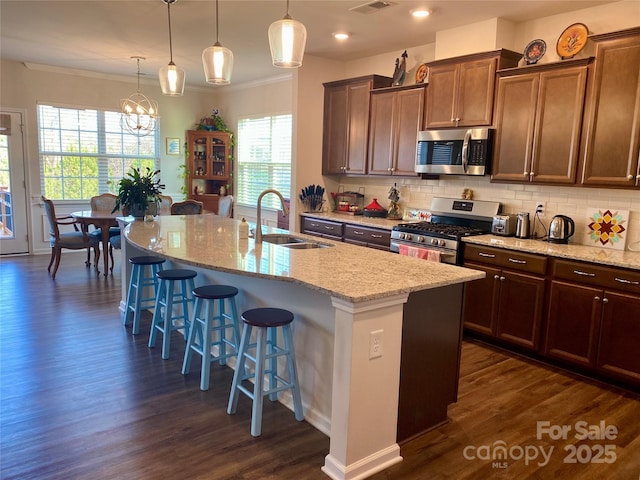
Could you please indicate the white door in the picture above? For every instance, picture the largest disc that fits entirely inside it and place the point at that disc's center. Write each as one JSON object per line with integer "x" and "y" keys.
{"x": 13, "y": 192}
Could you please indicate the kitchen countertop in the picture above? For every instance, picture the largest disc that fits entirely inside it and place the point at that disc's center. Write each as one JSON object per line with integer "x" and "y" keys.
{"x": 374, "y": 222}
{"x": 584, "y": 253}
{"x": 344, "y": 271}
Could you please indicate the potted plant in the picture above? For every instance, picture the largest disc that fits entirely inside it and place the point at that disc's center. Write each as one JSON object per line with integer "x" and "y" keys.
{"x": 139, "y": 193}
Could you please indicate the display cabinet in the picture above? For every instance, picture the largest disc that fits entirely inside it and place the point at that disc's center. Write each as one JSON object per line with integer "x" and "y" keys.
{"x": 210, "y": 167}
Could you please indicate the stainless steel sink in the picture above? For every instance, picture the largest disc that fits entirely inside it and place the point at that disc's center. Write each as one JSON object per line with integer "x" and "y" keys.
{"x": 291, "y": 241}
{"x": 280, "y": 239}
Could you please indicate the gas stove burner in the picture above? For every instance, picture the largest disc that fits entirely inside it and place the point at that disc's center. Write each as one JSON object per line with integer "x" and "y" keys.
{"x": 444, "y": 229}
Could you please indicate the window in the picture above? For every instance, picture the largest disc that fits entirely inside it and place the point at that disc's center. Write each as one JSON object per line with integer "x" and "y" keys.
{"x": 85, "y": 152}
{"x": 264, "y": 159}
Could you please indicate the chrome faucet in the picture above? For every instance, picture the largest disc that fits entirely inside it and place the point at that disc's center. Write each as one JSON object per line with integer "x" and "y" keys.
{"x": 258, "y": 234}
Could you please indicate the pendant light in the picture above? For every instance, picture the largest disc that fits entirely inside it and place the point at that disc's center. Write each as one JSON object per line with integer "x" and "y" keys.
{"x": 287, "y": 39}
{"x": 217, "y": 61}
{"x": 139, "y": 112}
{"x": 171, "y": 77}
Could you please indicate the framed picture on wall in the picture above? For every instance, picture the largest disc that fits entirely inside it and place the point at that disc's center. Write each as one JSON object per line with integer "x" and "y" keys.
{"x": 173, "y": 146}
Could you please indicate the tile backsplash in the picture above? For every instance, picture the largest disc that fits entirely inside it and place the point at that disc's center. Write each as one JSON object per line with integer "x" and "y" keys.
{"x": 570, "y": 201}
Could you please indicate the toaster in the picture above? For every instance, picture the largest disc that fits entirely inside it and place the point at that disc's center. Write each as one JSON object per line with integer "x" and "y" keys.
{"x": 504, "y": 225}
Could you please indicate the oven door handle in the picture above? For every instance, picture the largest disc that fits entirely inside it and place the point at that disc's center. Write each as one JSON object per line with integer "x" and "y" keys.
{"x": 394, "y": 247}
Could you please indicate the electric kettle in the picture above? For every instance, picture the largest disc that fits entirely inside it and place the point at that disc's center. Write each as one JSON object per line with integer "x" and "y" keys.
{"x": 561, "y": 228}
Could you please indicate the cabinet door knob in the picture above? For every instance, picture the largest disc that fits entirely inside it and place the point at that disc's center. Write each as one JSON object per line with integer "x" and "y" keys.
{"x": 605, "y": 300}
{"x": 389, "y": 169}
{"x": 502, "y": 279}
{"x": 496, "y": 277}
{"x": 597, "y": 299}
{"x": 629, "y": 177}
{"x": 392, "y": 169}
{"x": 531, "y": 174}
{"x": 526, "y": 173}
{"x": 453, "y": 119}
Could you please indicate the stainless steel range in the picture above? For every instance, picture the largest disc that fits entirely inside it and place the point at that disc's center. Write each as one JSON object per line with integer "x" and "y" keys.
{"x": 451, "y": 220}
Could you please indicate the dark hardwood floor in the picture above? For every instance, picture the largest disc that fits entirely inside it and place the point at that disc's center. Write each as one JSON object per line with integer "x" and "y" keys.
{"x": 81, "y": 398}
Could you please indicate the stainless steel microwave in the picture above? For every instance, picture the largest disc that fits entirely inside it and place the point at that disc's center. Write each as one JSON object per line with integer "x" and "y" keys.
{"x": 457, "y": 151}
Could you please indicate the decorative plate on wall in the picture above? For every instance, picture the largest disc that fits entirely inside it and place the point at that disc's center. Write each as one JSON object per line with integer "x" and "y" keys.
{"x": 421, "y": 73}
{"x": 572, "y": 40}
{"x": 535, "y": 51}
{"x": 606, "y": 228}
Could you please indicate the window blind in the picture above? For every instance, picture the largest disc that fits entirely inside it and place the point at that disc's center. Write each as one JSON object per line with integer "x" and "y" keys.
{"x": 263, "y": 159}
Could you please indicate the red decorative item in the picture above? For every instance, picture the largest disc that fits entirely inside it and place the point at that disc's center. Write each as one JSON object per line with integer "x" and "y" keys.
{"x": 374, "y": 209}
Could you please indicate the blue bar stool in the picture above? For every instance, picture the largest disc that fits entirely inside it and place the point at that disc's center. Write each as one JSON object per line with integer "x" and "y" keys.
{"x": 164, "y": 320}
{"x": 138, "y": 281}
{"x": 203, "y": 326}
{"x": 266, "y": 321}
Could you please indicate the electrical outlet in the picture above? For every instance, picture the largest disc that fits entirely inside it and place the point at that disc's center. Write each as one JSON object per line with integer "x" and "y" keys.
{"x": 375, "y": 344}
{"x": 540, "y": 208}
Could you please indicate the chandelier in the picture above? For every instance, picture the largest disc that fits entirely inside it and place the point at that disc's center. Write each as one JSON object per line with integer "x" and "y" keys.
{"x": 171, "y": 77}
{"x": 139, "y": 112}
{"x": 217, "y": 61}
{"x": 287, "y": 39}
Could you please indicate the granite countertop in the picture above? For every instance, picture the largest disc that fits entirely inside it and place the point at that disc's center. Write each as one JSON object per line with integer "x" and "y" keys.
{"x": 349, "y": 272}
{"x": 374, "y": 222}
{"x": 584, "y": 253}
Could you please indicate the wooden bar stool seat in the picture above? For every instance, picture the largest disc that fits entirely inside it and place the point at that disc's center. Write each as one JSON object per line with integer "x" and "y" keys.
{"x": 266, "y": 321}
{"x": 164, "y": 320}
{"x": 143, "y": 274}
{"x": 204, "y": 325}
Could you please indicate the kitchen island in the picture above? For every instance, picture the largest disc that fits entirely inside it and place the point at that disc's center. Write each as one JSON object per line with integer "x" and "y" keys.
{"x": 342, "y": 296}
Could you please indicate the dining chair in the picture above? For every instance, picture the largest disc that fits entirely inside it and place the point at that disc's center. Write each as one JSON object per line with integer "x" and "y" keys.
{"x": 187, "y": 207}
{"x": 76, "y": 240}
{"x": 165, "y": 204}
{"x": 105, "y": 202}
{"x": 225, "y": 206}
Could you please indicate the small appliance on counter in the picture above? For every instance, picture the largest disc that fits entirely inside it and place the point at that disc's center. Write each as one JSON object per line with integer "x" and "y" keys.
{"x": 504, "y": 225}
{"x": 561, "y": 229}
{"x": 523, "y": 225}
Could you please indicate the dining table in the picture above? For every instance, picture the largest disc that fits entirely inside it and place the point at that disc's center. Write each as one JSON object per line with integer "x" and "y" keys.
{"x": 102, "y": 220}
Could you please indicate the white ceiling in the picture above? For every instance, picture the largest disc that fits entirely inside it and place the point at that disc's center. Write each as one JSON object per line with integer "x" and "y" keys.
{"x": 102, "y": 36}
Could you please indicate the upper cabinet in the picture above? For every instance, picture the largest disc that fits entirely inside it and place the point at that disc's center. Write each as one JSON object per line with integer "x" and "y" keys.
{"x": 396, "y": 118}
{"x": 611, "y": 135}
{"x": 538, "y": 121}
{"x": 346, "y": 123}
{"x": 461, "y": 89}
{"x": 209, "y": 166}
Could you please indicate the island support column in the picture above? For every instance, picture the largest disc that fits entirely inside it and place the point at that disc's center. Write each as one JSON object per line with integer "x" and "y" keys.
{"x": 364, "y": 404}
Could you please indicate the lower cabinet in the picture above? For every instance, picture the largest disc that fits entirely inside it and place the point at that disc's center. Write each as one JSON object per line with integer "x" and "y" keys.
{"x": 322, "y": 228}
{"x": 506, "y": 304}
{"x": 593, "y": 319}
{"x": 367, "y": 237}
{"x": 378, "y": 238}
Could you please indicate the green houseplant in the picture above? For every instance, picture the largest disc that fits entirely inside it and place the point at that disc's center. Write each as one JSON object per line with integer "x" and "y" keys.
{"x": 139, "y": 192}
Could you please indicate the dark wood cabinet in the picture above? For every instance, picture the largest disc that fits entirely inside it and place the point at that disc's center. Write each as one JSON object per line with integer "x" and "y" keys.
{"x": 538, "y": 122}
{"x": 611, "y": 135}
{"x": 346, "y": 123}
{"x": 461, "y": 89}
{"x": 209, "y": 166}
{"x": 322, "y": 228}
{"x": 573, "y": 323}
{"x": 619, "y": 345}
{"x": 593, "y": 319}
{"x": 367, "y": 237}
{"x": 396, "y": 118}
{"x": 508, "y": 303}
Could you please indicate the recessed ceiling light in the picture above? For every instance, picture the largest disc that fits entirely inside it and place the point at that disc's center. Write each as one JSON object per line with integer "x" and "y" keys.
{"x": 420, "y": 12}
{"x": 341, "y": 35}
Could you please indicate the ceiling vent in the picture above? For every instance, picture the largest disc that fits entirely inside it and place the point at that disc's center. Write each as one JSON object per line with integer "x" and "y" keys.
{"x": 372, "y": 7}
